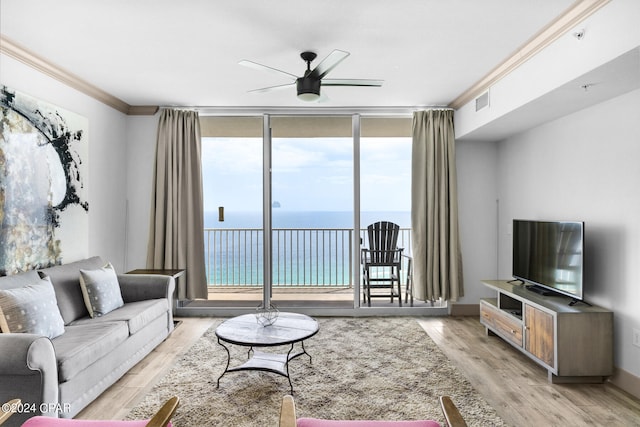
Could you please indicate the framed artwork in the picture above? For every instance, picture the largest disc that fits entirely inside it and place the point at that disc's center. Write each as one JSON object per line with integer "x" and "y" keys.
{"x": 43, "y": 184}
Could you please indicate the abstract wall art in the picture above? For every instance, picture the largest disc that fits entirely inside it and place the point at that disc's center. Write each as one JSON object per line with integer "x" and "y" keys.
{"x": 43, "y": 187}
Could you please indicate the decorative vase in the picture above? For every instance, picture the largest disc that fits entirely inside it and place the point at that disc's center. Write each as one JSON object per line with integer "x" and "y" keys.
{"x": 267, "y": 316}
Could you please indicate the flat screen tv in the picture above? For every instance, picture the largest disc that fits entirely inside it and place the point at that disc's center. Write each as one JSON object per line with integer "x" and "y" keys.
{"x": 550, "y": 256}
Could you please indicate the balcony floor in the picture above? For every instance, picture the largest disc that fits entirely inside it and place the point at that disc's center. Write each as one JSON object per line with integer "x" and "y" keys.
{"x": 294, "y": 297}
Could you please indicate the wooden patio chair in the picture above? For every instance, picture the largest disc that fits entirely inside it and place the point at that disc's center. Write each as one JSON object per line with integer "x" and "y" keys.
{"x": 382, "y": 262}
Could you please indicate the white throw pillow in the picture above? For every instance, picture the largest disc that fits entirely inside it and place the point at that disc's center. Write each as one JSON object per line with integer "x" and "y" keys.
{"x": 101, "y": 290}
{"x": 31, "y": 309}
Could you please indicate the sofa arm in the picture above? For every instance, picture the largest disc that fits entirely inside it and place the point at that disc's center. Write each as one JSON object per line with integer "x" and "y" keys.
{"x": 140, "y": 287}
{"x": 29, "y": 371}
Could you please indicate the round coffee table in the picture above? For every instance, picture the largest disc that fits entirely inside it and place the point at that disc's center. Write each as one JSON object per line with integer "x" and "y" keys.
{"x": 288, "y": 329}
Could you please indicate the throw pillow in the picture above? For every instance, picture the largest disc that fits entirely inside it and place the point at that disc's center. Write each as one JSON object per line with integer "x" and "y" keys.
{"x": 31, "y": 309}
{"x": 101, "y": 290}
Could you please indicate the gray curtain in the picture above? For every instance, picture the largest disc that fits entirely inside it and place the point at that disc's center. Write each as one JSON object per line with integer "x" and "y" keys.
{"x": 176, "y": 235}
{"x": 434, "y": 208}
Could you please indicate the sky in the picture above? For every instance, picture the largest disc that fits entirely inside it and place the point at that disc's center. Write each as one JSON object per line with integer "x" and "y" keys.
{"x": 308, "y": 174}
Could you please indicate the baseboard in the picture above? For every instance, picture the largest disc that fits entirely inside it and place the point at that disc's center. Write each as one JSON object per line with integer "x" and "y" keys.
{"x": 626, "y": 381}
{"x": 465, "y": 310}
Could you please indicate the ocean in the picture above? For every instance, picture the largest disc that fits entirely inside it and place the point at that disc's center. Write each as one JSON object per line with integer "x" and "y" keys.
{"x": 304, "y": 219}
{"x": 309, "y": 248}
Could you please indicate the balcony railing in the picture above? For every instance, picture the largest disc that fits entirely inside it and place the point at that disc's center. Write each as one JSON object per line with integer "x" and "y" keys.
{"x": 301, "y": 257}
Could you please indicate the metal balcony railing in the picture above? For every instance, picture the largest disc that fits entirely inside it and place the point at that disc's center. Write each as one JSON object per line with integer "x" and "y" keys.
{"x": 302, "y": 257}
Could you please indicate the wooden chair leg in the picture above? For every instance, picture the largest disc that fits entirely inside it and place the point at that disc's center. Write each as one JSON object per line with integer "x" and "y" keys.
{"x": 451, "y": 413}
{"x": 288, "y": 412}
{"x": 366, "y": 288}
{"x": 164, "y": 414}
{"x": 8, "y": 409}
{"x": 408, "y": 291}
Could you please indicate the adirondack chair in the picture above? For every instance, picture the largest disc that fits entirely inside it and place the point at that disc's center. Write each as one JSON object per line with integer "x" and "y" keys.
{"x": 382, "y": 262}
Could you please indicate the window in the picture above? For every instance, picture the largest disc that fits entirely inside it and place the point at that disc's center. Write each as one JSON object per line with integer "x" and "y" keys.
{"x": 312, "y": 192}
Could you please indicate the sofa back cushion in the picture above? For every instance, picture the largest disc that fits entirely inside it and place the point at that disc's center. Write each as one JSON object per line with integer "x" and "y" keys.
{"x": 66, "y": 282}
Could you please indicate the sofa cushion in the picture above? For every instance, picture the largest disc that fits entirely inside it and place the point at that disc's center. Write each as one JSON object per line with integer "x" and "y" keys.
{"x": 66, "y": 282}
{"x": 136, "y": 314}
{"x": 100, "y": 290}
{"x": 82, "y": 345}
{"x": 31, "y": 309}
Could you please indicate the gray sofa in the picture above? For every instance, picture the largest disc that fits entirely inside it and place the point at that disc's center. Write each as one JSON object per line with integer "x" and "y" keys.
{"x": 61, "y": 376}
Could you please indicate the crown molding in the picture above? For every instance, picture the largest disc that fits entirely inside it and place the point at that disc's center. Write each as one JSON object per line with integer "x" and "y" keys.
{"x": 12, "y": 49}
{"x": 575, "y": 14}
{"x": 143, "y": 110}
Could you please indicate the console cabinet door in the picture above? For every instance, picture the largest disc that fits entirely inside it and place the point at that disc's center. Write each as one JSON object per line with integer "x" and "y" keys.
{"x": 539, "y": 334}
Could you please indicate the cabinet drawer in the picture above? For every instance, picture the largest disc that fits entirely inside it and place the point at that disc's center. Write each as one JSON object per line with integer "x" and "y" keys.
{"x": 501, "y": 323}
{"x": 487, "y": 314}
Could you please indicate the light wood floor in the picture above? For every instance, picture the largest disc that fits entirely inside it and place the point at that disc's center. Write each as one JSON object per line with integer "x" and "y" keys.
{"x": 117, "y": 401}
{"x": 516, "y": 387}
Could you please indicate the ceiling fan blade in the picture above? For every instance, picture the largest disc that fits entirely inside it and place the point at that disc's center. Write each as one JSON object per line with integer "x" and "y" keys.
{"x": 329, "y": 63}
{"x": 272, "y": 88}
{"x": 352, "y": 82}
{"x": 261, "y": 67}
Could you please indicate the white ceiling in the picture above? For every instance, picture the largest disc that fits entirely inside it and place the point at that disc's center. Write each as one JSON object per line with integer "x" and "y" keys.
{"x": 186, "y": 53}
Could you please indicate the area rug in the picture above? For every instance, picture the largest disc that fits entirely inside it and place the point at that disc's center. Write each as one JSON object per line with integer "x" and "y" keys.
{"x": 361, "y": 368}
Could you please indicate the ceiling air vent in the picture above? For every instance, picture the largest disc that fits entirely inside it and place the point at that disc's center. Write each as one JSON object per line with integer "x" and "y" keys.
{"x": 482, "y": 101}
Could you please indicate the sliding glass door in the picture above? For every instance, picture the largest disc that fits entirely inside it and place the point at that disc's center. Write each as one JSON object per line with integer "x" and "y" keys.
{"x": 232, "y": 165}
{"x": 312, "y": 211}
{"x": 385, "y": 183}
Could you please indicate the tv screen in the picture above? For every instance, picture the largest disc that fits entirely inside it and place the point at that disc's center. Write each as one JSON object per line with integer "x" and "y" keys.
{"x": 550, "y": 254}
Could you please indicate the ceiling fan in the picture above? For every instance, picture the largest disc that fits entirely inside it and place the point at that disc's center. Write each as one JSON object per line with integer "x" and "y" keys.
{"x": 308, "y": 86}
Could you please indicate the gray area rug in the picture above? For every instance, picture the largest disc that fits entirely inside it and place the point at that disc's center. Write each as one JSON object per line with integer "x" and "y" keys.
{"x": 362, "y": 368}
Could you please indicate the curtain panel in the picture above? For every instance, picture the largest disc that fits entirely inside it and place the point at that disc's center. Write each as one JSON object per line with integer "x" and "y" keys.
{"x": 434, "y": 208}
{"x": 176, "y": 235}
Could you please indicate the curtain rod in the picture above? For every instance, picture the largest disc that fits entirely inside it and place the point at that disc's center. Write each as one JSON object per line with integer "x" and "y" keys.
{"x": 235, "y": 111}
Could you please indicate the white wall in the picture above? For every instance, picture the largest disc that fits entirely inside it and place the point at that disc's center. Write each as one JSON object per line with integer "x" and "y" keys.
{"x": 476, "y": 164}
{"x": 585, "y": 167}
{"x": 107, "y": 142}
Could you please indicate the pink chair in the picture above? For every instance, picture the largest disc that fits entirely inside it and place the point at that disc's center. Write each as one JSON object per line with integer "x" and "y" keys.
{"x": 288, "y": 418}
{"x": 160, "y": 419}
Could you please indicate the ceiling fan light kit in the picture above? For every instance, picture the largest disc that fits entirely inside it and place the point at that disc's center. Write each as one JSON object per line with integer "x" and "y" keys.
{"x": 308, "y": 86}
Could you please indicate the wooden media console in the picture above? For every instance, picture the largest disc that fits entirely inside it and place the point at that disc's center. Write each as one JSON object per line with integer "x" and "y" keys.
{"x": 574, "y": 343}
